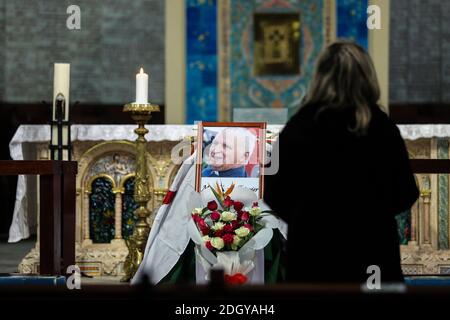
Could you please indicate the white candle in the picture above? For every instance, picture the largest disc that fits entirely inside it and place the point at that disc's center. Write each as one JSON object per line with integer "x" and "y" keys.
{"x": 141, "y": 87}
{"x": 61, "y": 84}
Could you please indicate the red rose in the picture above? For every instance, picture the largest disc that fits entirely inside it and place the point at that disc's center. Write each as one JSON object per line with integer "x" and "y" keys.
{"x": 205, "y": 231}
{"x": 228, "y": 202}
{"x": 248, "y": 226}
{"x": 212, "y": 205}
{"x": 238, "y": 206}
{"x": 245, "y": 216}
{"x": 218, "y": 233}
{"x": 237, "y": 278}
{"x": 215, "y": 215}
{"x": 196, "y": 217}
{"x": 228, "y": 238}
{"x": 209, "y": 245}
{"x": 255, "y": 204}
{"x": 234, "y": 224}
{"x": 228, "y": 228}
{"x": 201, "y": 223}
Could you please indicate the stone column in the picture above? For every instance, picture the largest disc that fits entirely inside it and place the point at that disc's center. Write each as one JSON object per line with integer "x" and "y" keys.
{"x": 414, "y": 212}
{"x": 85, "y": 215}
{"x": 118, "y": 212}
{"x": 426, "y": 196}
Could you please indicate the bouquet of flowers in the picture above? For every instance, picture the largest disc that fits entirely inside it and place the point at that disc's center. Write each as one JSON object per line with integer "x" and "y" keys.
{"x": 231, "y": 232}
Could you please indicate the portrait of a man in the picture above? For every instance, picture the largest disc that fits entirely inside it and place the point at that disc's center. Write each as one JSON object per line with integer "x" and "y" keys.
{"x": 229, "y": 153}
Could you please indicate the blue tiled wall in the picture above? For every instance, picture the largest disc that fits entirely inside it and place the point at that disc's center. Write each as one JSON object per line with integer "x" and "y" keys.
{"x": 246, "y": 92}
{"x": 201, "y": 60}
{"x": 351, "y": 21}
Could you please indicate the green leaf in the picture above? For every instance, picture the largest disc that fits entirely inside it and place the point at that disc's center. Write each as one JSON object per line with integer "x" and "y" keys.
{"x": 217, "y": 197}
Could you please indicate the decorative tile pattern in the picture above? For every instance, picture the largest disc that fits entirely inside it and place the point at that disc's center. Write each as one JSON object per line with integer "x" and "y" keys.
{"x": 239, "y": 88}
{"x": 248, "y": 91}
{"x": 201, "y": 60}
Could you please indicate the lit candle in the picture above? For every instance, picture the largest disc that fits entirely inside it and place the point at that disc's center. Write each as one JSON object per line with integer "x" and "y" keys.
{"x": 141, "y": 87}
{"x": 61, "y": 84}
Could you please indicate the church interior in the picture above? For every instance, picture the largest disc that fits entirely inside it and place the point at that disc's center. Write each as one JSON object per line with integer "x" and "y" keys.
{"x": 95, "y": 97}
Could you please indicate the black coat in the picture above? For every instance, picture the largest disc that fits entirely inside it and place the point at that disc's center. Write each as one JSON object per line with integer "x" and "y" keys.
{"x": 339, "y": 194}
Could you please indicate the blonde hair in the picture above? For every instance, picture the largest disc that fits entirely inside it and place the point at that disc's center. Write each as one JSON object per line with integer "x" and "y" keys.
{"x": 345, "y": 78}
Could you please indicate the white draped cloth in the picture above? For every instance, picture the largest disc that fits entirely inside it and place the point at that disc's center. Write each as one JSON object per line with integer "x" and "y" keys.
{"x": 169, "y": 235}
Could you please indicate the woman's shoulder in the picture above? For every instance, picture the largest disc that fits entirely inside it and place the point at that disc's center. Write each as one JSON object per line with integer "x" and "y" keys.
{"x": 299, "y": 122}
{"x": 382, "y": 124}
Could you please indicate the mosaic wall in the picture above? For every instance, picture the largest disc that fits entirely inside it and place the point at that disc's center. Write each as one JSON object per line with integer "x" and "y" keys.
{"x": 246, "y": 90}
{"x": 116, "y": 38}
{"x": 201, "y": 60}
{"x": 351, "y": 19}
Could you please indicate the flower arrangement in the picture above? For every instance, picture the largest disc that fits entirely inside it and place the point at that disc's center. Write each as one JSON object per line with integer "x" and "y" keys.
{"x": 230, "y": 226}
{"x": 224, "y": 226}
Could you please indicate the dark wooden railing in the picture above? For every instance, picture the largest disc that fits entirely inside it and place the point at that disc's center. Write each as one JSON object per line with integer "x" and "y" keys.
{"x": 57, "y": 210}
{"x": 430, "y": 166}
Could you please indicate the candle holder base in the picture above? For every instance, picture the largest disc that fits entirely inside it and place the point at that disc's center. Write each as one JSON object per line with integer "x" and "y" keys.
{"x": 141, "y": 113}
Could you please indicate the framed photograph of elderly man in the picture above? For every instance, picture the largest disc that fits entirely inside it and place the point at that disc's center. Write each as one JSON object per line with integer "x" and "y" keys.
{"x": 231, "y": 152}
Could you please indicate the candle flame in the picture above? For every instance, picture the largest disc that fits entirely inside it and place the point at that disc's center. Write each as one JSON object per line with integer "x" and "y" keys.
{"x": 141, "y": 71}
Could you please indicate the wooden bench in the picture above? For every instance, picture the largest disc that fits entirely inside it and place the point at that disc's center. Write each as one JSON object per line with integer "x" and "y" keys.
{"x": 57, "y": 210}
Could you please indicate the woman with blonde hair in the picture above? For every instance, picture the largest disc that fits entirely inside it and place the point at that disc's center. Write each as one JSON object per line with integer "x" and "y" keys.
{"x": 343, "y": 175}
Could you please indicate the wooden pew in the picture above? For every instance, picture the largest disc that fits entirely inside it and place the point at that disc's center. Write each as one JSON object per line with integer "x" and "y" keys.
{"x": 57, "y": 210}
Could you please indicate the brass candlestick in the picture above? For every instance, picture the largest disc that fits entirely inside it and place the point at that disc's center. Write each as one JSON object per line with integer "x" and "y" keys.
{"x": 141, "y": 113}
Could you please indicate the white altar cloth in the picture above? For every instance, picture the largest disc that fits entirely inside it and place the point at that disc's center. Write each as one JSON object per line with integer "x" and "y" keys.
{"x": 41, "y": 133}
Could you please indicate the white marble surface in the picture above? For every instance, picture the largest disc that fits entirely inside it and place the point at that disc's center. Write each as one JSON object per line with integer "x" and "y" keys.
{"x": 41, "y": 133}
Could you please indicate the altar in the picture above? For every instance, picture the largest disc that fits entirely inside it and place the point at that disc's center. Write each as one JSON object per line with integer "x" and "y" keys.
{"x": 105, "y": 183}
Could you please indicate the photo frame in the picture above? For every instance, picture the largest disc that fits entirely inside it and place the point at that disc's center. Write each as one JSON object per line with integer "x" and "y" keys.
{"x": 231, "y": 152}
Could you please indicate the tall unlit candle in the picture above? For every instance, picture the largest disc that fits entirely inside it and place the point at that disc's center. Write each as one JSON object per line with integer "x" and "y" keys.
{"x": 61, "y": 84}
{"x": 141, "y": 87}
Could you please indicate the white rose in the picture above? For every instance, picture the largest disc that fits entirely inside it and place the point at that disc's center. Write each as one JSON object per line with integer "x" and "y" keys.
{"x": 218, "y": 226}
{"x": 217, "y": 243}
{"x": 237, "y": 240}
{"x": 227, "y": 216}
{"x": 197, "y": 211}
{"x": 234, "y": 247}
{"x": 206, "y": 238}
{"x": 255, "y": 211}
{"x": 242, "y": 232}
